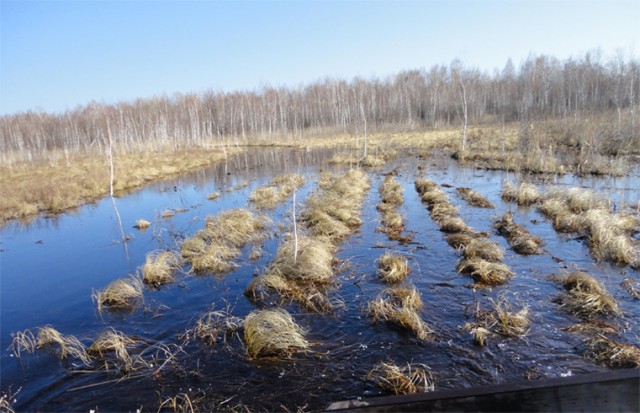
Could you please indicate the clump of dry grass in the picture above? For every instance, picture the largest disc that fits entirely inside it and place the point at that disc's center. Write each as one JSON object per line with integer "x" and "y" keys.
{"x": 392, "y": 220}
{"x": 167, "y": 213}
{"x": 213, "y": 325}
{"x": 524, "y": 195}
{"x": 212, "y": 249}
{"x": 479, "y": 332}
{"x": 142, "y": 224}
{"x": 122, "y": 294}
{"x": 425, "y": 185}
{"x": 612, "y": 353}
{"x": 503, "y": 320}
{"x": 23, "y": 341}
{"x": 474, "y": 198}
{"x": 159, "y": 267}
{"x": 519, "y": 238}
{"x": 281, "y": 188}
{"x": 116, "y": 342}
{"x": 400, "y": 308}
{"x": 592, "y": 327}
{"x": 479, "y": 247}
{"x": 485, "y": 272}
{"x": 459, "y": 241}
{"x": 393, "y": 268}
{"x": 67, "y": 344}
{"x": 273, "y": 333}
{"x": 391, "y": 191}
{"x": 586, "y": 296}
{"x": 180, "y": 403}
{"x": 406, "y": 379}
{"x": 454, "y": 225}
{"x": 213, "y": 196}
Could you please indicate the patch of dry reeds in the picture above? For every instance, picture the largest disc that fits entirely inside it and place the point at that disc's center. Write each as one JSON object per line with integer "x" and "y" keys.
{"x": 67, "y": 344}
{"x": 213, "y": 196}
{"x": 485, "y": 272}
{"x": 406, "y": 379}
{"x": 214, "y": 325}
{"x": 399, "y": 307}
{"x": 479, "y": 332}
{"x": 180, "y": 403}
{"x": 586, "y": 296}
{"x": 159, "y": 267}
{"x": 459, "y": 241}
{"x": 113, "y": 342}
{"x": 612, "y": 353}
{"x": 23, "y": 341}
{"x": 273, "y": 333}
{"x": 122, "y": 294}
{"x": 391, "y": 191}
{"x": 484, "y": 248}
{"x": 474, "y": 198}
{"x": 393, "y": 268}
{"x": 503, "y": 320}
{"x": 281, "y": 188}
{"x": 524, "y": 195}
{"x": 519, "y": 238}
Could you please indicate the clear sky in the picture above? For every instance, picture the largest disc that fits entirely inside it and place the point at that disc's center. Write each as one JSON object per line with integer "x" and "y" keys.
{"x": 56, "y": 55}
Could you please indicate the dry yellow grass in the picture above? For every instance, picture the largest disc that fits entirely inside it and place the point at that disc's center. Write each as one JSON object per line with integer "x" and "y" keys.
{"x": 67, "y": 182}
{"x": 67, "y": 344}
{"x": 484, "y": 248}
{"x": 116, "y": 342}
{"x": 393, "y": 268}
{"x": 281, "y": 188}
{"x": 586, "y": 296}
{"x": 214, "y": 325}
{"x": 524, "y": 195}
{"x": 519, "y": 238}
{"x": 504, "y": 320}
{"x": 479, "y": 332}
{"x": 273, "y": 333}
{"x": 159, "y": 267}
{"x": 612, "y": 353}
{"x": 399, "y": 307}
{"x": 391, "y": 191}
{"x": 122, "y": 294}
{"x": 213, "y": 196}
{"x": 454, "y": 225}
{"x": 474, "y": 198}
{"x": 485, "y": 272}
{"x": 406, "y": 379}
{"x": 142, "y": 224}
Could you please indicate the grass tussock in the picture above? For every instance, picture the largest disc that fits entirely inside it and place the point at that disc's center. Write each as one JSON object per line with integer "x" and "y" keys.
{"x": 586, "y": 296}
{"x": 281, "y": 188}
{"x": 406, "y": 379}
{"x": 454, "y": 225}
{"x": 113, "y": 342}
{"x": 391, "y": 191}
{"x": 479, "y": 332}
{"x": 213, "y": 196}
{"x": 142, "y": 224}
{"x": 485, "y": 273}
{"x": 521, "y": 241}
{"x": 212, "y": 249}
{"x": 273, "y": 333}
{"x": 474, "y": 198}
{"x": 484, "y": 248}
{"x": 392, "y": 220}
{"x": 460, "y": 241}
{"x": 122, "y": 294}
{"x": 213, "y": 326}
{"x": 612, "y": 353}
{"x": 393, "y": 268}
{"x": 399, "y": 307}
{"x": 159, "y": 267}
{"x": 524, "y": 195}
{"x": 69, "y": 346}
{"x": 506, "y": 321}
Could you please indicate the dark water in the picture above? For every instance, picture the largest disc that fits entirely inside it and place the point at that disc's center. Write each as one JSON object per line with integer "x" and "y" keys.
{"x": 50, "y": 268}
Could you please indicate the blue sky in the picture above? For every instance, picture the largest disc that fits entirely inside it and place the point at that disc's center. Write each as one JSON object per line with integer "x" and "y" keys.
{"x": 56, "y": 55}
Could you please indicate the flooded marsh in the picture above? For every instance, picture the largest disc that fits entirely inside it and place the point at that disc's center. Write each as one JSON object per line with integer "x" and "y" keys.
{"x": 239, "y": 303}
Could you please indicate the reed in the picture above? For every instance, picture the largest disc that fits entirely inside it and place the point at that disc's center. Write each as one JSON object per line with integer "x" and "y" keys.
{"x": 23, "y": 341}
{"x": 273, "y": 333}
{"x": 122, "y": 294}
{"x": 586, "y": 296}
{"x": 406, "y": 379}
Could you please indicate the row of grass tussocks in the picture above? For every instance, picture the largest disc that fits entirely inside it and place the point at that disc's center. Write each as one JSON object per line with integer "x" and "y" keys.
{"x": 302, "y": 271}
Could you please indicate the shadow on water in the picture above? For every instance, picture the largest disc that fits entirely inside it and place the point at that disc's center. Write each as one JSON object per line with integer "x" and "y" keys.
{"x": 50, "y": 268}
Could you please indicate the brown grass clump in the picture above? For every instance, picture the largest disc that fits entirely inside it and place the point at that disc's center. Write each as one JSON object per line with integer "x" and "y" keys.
{"x": 213, "y": 196}
{"x": 68, "y": 345}
{"x": 505, "y": 321}
{"x": 23, "y": 341}
{"x": 612, "y": 353}
{"x": 474, "y": 198}
{"x": 407, "y": 379}
{"x": 459, "y": 241}
{"x": 400, "y": 308}
{"x": 524, "y": 195}
{"x": 142, "y": 224}
{"x": 393, "y": 268}
{"x": 159, "y": 267}
{"x": 483, "y": 248}
{"x": 519, "y": 238}
{"x": 167, "y": 213}
{"x": 479, "y": 332}
{"x": 116, "y": 342}
{"x": 485, "y": 272}
{"x": 273, "y": 333}
{"x": 454, "y": 225}
{"x": 586, "y": 296}
{"x": 391, "y": 191}
{"x": 425, "y": 185}
{"x": 213, "y": 325}
{"x": 122, "y": 294}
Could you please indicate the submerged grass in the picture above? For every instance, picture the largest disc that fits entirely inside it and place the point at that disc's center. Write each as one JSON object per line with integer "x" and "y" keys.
{"x": 273, "y": 333}
{"x": 67, "y": 344}
{"x": 503, "y": 320}
{"x": 399, "y": 307}
{"x": 407, "y": 379}
{"x": 122, "y": 294}
{"x": 521, "y": 241}
{"x": 586, "y": 296}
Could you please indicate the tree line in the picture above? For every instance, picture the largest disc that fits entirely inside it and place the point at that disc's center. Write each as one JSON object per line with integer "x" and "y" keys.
{"x": 541, "y": 87}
